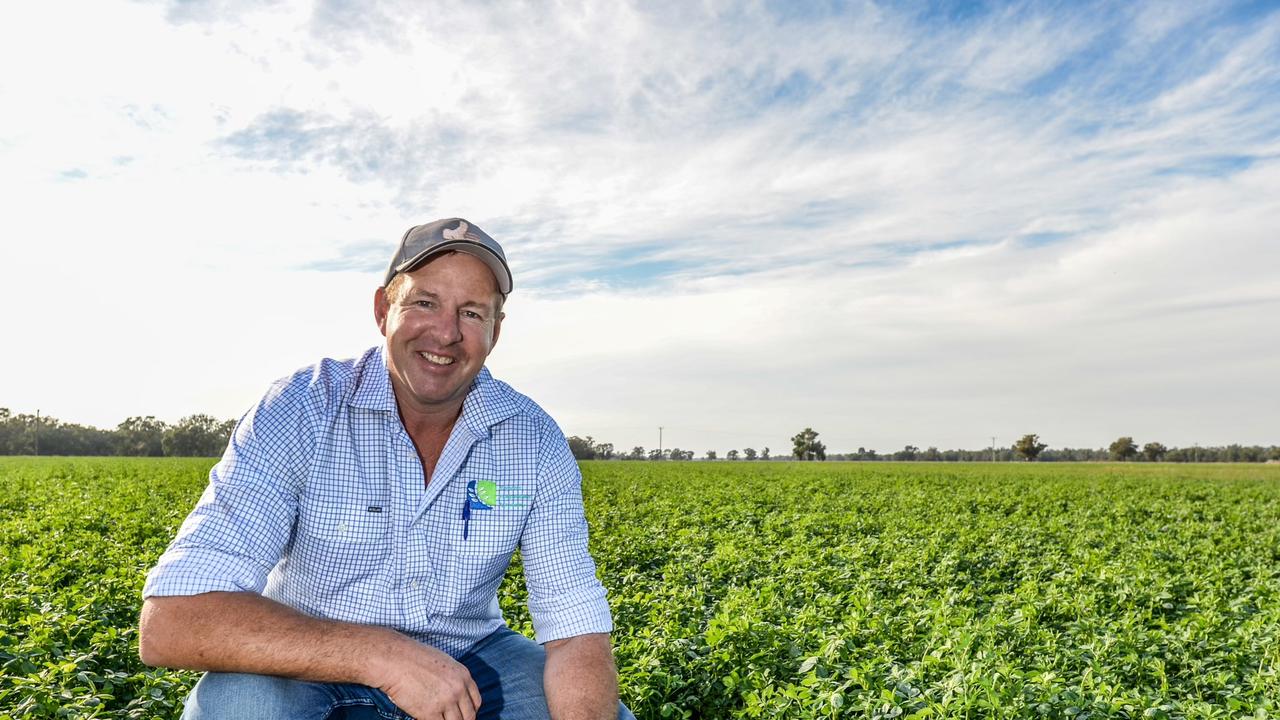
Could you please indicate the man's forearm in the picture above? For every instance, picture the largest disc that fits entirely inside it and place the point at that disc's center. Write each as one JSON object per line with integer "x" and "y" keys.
{"x": 245, "y": 632}
{"x": 581, "y": 681}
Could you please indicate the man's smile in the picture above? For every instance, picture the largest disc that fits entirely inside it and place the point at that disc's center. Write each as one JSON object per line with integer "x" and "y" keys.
{"x": 436, "y": 359}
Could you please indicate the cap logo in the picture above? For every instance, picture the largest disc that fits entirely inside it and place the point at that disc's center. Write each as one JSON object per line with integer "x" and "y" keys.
{"x": 458, "y": 233}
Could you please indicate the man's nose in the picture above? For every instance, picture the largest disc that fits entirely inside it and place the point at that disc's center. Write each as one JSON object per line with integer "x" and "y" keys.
{"x": 447, "y": 328}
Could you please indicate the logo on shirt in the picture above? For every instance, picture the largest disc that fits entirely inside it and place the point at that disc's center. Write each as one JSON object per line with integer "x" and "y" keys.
{"x": 486, "y": 495}
{"x": 482, "y": 494}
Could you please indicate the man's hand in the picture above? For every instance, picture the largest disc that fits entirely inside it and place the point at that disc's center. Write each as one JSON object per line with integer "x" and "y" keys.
{"x": 425, "y": 682}
{"x": 580, "y": 679}
{"x": 245, "y": 632}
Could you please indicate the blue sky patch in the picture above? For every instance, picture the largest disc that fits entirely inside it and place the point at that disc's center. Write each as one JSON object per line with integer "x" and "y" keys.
{"x": 1041, "y": 239}
{"x": 1210, "y": 166}
{"x": 367, "y": 256}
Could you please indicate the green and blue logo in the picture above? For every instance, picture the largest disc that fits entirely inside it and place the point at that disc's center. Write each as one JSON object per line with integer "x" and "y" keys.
{"x": 486, "y": 495}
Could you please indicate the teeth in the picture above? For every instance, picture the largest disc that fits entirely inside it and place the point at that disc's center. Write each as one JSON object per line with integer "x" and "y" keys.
{"x": 436, "y": 359}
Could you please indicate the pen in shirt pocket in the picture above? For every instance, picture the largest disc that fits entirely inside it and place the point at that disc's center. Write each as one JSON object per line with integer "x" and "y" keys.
{"x": 466, "y": 516}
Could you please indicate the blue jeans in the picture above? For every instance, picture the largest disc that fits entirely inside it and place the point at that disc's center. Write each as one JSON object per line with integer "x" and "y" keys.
{"x": 506, "y": 666}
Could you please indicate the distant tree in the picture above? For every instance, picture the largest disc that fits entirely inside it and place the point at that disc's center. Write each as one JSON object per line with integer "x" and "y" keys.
{"x": 1123, "y": 448}
{"x": 656, "y": 454}
{"x": 711, "y": 454}
{"x": 637, "y": 453}
{"x": 732, "y": 455}
{"x": 678, "y": 454}
{"x": 58, "y": 438}
{"x": 749, "y": 453}
{"x": 197, "y": 436}
{"x": 1029, "y": 447}
{"x": 1244, "y": 453}
{"x": 17, "y": 433}
{"x": 805, "y": 446}
{"x": 764, "y": 454}
{"x": 582, "y": 448}
{"x": 1154, "y": 451}
{"x": 604, "y": 451}
{"x": 142, "y": 436}
{"x": 931, "y": 455}
{"x": 907, "y": 453}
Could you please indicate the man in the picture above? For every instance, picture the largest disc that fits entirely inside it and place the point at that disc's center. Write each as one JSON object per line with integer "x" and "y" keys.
{"x": 344, "y": 560}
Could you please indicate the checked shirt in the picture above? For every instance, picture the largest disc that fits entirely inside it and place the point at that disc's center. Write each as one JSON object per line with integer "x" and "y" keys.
{"x": 319, "y": 503}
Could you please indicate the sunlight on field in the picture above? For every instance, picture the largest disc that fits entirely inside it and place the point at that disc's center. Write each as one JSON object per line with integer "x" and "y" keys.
{"x": 769, "y": 589}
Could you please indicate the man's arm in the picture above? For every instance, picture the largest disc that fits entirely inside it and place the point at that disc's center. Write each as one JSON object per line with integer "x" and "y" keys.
{"x": 246, "y": 632}
{"x": 580, "y": 679}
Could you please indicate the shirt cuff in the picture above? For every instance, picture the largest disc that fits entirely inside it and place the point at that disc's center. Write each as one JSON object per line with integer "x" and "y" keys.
{"x": 195, "y": 570}
{"x": 577, "y": 613}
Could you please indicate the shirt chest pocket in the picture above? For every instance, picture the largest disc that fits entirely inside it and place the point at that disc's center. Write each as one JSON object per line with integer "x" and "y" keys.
{"x": 340, "y": 547}
{"x": 470, "y": 569}
{"x": 471, "y": 574}
{"x": 352, "y": 523}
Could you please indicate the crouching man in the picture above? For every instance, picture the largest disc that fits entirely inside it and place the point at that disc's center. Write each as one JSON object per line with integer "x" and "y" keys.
{"x": 345, "y": 557}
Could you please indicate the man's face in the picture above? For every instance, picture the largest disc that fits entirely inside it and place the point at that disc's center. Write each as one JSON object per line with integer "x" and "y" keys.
{"x": 441, "y": 321}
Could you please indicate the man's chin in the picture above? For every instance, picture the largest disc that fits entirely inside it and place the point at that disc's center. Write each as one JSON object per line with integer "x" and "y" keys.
{"x": 434, "y": 393}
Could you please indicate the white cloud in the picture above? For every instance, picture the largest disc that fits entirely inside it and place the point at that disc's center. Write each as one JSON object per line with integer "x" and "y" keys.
{"x": 864, "y": 223}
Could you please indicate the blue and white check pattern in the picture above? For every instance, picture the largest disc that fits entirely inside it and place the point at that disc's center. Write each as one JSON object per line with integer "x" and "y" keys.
{"x": 319, "y": 503}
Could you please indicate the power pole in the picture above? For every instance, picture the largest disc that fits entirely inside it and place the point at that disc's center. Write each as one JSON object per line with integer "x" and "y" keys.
{"x": 37, "y": 431}
{"x": 993, "y": 448}
{"x": 659, "y": 442}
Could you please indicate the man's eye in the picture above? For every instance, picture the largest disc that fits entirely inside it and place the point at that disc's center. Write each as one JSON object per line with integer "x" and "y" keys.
{"x": 472, "y": 315}
{"x": 424, "y": 303}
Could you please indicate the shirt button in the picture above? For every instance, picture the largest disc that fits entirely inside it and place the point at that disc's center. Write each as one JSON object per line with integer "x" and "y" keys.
{"x": 414, "y": 584}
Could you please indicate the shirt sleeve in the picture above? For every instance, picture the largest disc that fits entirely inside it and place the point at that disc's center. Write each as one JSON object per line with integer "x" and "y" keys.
{"x": 245, "y": 518}
{"x": 565, "y": 597}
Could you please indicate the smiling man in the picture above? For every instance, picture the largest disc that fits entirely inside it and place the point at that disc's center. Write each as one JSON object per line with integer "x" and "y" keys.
{"x": 345, "y": 557}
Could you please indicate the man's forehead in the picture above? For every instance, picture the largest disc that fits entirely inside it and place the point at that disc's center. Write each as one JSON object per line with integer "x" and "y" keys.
{"x": 423, "y": 291}
{"x": 420, "y": 284}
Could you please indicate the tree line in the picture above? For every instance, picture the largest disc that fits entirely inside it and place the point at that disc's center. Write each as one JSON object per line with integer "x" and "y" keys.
{"x": 205, "y": 436}
{"x": 192, "y": 436}
{"x": 806, "y": 446}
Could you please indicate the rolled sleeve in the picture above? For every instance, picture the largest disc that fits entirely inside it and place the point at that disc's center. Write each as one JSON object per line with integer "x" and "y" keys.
{"x": 565, "y": 597}
{"x": 244, "y": 520}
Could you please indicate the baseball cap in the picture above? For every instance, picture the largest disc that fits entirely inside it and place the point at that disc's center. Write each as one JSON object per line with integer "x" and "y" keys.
{"x": 452, "y": 234}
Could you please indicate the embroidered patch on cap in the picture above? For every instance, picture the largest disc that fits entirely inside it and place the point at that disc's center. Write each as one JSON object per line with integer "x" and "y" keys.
{"x": 458, "y": 233}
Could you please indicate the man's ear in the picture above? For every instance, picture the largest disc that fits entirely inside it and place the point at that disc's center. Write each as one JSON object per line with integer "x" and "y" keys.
{"x": 381, "y": 306}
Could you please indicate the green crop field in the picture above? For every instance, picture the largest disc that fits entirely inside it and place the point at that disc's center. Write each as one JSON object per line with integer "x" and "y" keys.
{"x": 769, "y": 589}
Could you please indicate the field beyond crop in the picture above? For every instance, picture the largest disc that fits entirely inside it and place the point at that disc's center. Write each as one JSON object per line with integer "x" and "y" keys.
{"x": 856, "y": 590}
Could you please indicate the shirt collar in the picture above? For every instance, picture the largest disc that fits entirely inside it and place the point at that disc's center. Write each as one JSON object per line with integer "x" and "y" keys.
{"x": 373, "y": 388}
{"x": 488, "y": 403}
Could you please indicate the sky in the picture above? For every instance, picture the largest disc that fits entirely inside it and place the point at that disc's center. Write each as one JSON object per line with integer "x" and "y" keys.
{"x": 924, "y": 223}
